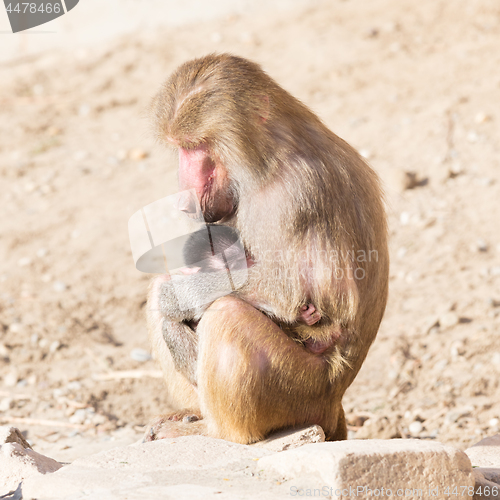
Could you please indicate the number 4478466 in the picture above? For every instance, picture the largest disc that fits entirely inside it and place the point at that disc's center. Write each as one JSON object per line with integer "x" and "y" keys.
{"x": 32, "y": 8}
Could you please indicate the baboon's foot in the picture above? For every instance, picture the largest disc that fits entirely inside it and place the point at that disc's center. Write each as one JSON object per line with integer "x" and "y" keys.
{"x": 186, "y": 422}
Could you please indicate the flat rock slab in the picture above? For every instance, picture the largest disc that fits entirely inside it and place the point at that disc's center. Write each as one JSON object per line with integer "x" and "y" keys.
{"x": 485, "y": 457}
{"x": 371, "y": 468}
{"x": 199, "y": 467}
{"x": 486, "y": 453}
{"x": 187, "y": 467}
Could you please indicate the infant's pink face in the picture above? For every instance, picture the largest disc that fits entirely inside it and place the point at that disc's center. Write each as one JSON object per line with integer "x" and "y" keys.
{"x": 189, "y": 270}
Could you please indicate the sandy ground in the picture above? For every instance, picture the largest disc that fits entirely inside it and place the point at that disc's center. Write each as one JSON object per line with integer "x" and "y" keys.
{"x": 414, "y": 85}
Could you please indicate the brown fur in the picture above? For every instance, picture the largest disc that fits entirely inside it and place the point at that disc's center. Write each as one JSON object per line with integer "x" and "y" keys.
{"x": 309, "y": 210}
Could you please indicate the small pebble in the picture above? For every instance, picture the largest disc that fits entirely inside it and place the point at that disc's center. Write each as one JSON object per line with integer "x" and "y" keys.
{"x": 24, "y": 261}
{"x": 137, "y": 154}
{"x": 494, "y": 422}
{"x": 121, "y": 154}
{"x": 79, "y": 416}
{"x": 457, "y": 348}
{"x": 472, "y": 137}
{"x": 448, "y": 320}
{"x": 46, "y": 278}
{"x": 140, "y": 355}
{"x": 59, "y": 286}
{"x": 411, "y": 180}
{"x": 99, "y": 419}
{"x": 41, "y": 252}
{"x": 495, "y": 271}
{"x": 457, "y": 414}
{"x": 481, "y": 245}
{"x": 84, "y": 110}
{"x": 6, "y": 404}
{"x": 402, "y": 252}
{"x": 404, "y": 218}
{"x": 16, "y": 327}
{"x": 482, "y": 118}
{"x": 4, "y": 351}
{"x": 54, "y": 346}
{"x": 10, "y": 380}
{"x": 415, "y": 428}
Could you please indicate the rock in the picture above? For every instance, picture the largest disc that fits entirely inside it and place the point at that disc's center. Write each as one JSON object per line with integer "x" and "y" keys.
{"x": 486, "y": 453}
{"x": 140, "y": 355}
{"x": 11, "y": 378}
{"x": 189, "y": 467}
{"x": 404, "y": 218}
{"x": 289, "y": 439}
{"x": 6, "y": 404}
{"x": 12, "y": 435}
{"x": 415, "y": 428}
{"x": 484, "y": 489}
{"x": 411, "y": 180}
{"x": 137, "y": 154}
{"x": 457, "y": 348}
{"x": 360, "y": 466}
{"x": 54, "y": 346}
{"x": 59, "y": 286}
{"x": 482, "y": 117}
{"x": 18, "y": 461}
{"x": 490, "y": 474}
{"x": 448, "y": 320}
{"x": 456, "y": 414}
{"x": 379, "y": 428}
{"x": 481, "y": 246}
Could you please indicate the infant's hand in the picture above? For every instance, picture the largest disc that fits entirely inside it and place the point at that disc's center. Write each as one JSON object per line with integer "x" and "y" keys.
{"x": 308, "y": 315}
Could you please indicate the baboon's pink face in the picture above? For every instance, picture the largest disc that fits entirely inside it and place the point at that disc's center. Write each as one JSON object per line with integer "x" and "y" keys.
{"x": 198, "y": 170}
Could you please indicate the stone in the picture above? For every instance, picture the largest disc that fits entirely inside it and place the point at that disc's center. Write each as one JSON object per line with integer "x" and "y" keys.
{"x": 484, "y": 489}
{"x": 485, "y": 456}
{"x": 189, "y": 467}
{"x": 379, "y": 428}
{"x": 448, "y": 320}
{"x": 18, "y": 461}
{"x": 406, "y": 467}
{"x": 486, "y": 453}
{"x": 415, "y": 428}
{"x": 12, "y": 435}
{"x": 289, "y": 439}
